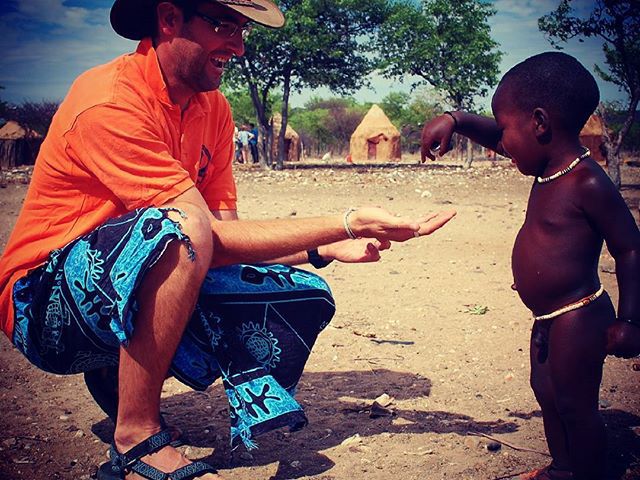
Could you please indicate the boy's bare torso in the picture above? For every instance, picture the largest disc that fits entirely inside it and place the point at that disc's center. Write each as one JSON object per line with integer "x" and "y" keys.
{"x": 556, "y": 252}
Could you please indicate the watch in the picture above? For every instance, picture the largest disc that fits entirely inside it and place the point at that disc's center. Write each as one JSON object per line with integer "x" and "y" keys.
{"x": 316, "y": 260}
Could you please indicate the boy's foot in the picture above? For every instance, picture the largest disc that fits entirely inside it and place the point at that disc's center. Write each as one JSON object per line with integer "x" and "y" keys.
{"x": 547, "y": 473}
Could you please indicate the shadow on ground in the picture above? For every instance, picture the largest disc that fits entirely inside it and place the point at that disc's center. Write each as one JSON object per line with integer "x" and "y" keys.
{"x": 337, "y": 405}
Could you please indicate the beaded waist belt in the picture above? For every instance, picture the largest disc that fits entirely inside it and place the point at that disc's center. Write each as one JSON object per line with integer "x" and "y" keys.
{"x": 572, "y": 306}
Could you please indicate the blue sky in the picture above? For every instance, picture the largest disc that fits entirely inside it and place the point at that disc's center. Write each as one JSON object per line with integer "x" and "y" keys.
{"x": 45, "y": 44}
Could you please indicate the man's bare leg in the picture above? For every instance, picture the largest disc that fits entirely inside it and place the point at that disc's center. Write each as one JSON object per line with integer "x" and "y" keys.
{"x": 167, "y": 297}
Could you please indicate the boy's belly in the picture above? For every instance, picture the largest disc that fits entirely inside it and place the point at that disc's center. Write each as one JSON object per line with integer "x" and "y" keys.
{"x": 549, "y": 276}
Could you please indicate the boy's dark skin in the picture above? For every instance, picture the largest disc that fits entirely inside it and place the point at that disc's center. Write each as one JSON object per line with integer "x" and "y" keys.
{"x": 555, "y": 263}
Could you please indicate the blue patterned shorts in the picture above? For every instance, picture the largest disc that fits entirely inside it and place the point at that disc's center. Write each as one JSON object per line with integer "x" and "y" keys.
{"x": 253, "y": 325}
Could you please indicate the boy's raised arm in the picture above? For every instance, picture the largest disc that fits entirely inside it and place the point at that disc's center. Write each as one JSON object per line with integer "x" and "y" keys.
{"x": 436, "y": 134}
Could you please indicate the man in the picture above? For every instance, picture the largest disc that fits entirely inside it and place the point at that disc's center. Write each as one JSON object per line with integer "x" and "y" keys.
{"x": 253, "y": 142}
{"x": 128, "y": 251}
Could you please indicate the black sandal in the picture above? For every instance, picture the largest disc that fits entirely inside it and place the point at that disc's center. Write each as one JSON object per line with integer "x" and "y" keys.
{"x": 103, "y": 387}
{"x": 122, "y": 464}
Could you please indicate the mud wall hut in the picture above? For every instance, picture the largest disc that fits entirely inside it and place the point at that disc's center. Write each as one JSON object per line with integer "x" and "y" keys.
{"x": 292, "y": 144}
{"x": 592, "y": 136}
{"x": 17, "y": 145}
{"x": 375, "y": 139}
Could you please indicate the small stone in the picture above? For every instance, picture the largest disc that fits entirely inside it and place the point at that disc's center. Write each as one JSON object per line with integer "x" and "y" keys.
{"x": 493, "y": 446}
{"x": 384, "y": 400}
{"x": 64, "y": 418}
{"x": 296, "y": 464}
{"x": 398, "y": 422}
{"x": 352, "y": 440}
{"x": 246, "y": 456}
{"x": 78, "y": 434}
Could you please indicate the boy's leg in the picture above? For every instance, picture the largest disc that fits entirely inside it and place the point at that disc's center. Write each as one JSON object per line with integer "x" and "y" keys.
{"x": 577, "y": 351}
{"x": 166, "y": 298}
{"x": 542, "y": 386}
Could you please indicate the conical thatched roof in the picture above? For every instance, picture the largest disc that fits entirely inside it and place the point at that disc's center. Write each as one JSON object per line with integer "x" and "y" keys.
{"x": 276, "y": 121}
{"x": 376, "y": 138}
{"x": 14, "y": 131}
{"x": 594, "y": 126}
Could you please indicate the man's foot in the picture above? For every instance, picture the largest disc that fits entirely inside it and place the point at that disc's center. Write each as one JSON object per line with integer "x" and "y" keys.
{"x": 547, "y": 473}
{"x": 153, "y": 458}
{"x": 169, "y": 460}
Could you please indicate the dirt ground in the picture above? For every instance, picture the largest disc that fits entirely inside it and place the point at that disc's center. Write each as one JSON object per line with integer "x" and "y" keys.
{"x": 434, "y": 325}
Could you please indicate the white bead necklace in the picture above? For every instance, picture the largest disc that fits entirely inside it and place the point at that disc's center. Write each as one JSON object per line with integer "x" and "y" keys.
{"x": 571, "y": 166}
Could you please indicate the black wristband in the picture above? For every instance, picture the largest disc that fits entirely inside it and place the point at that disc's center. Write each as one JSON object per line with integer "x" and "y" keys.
{"x": 316, "y": 260}
{"x": 455, "y": 120}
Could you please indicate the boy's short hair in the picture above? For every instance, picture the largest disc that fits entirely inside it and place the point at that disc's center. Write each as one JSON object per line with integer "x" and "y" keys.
{"x": 556, "y": 82}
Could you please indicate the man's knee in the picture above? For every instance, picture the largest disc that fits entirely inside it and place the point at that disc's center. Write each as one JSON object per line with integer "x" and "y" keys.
{"x": 196, "y": 225}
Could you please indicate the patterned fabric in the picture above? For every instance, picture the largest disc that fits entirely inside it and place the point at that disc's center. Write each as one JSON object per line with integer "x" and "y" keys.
{"x": 253, "y": 325}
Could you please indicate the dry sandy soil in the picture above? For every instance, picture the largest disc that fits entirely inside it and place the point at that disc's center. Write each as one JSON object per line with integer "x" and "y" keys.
{"x": 434, "y": 325}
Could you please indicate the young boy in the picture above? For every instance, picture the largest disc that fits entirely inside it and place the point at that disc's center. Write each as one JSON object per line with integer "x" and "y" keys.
{"x": 540, "y": 107}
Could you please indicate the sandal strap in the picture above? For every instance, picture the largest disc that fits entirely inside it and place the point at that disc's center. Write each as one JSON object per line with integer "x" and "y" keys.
{"x": 124, "y": 461}
{"x": 187, "y": 472}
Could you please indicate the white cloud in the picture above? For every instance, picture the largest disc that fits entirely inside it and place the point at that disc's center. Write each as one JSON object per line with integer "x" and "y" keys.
{"x": 46, "y": 44}
{"x": 53, "y": 12}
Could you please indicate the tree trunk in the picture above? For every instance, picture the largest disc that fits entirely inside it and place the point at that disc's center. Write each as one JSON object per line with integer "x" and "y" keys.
{"x": 469, "y": 154}
{"x": 282, "y": 153}
{"x": 612, "y": 146}
{"x": 260, "y": 106}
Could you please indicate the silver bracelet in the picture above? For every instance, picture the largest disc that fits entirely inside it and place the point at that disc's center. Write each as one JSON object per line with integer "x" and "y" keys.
{"x": 345, "y": 221}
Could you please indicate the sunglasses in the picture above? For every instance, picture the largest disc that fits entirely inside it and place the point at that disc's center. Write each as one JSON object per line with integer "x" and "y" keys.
{"x": 226, "y": 29}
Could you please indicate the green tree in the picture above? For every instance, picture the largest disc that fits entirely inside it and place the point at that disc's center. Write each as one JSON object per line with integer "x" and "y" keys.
{"x": 323, "y": 43}
{"x": 327, "y": 124}
{"x": 447, "y": 44}
{"x": 617, "y": 23}
{"x": 408, "y": 113}
{"x": 311, "y": 125}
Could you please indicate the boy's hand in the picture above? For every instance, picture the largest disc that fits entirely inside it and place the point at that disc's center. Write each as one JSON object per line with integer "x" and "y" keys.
{"x": 623, "y": 339}
{"x": 436, "y": 137}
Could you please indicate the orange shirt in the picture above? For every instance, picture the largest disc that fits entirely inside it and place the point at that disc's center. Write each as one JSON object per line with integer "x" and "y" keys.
{"x": 117, "y": 143}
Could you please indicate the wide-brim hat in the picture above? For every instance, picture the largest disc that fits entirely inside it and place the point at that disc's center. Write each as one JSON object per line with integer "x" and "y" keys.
{"x": 134, "y": 19}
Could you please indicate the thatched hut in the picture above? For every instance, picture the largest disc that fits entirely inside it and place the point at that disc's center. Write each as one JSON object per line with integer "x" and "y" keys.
{"x": 376, "y": 138}
{"x": 592, "y": 137}
{"x": 292, "y": 144}
{"x": 17, "y": 145}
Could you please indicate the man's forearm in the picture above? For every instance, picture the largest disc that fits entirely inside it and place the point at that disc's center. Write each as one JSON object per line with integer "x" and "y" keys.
{"x": 251, "y": 241}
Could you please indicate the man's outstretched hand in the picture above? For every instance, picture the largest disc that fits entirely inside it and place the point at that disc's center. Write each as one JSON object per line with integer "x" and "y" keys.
{"x": 375, "y": 222}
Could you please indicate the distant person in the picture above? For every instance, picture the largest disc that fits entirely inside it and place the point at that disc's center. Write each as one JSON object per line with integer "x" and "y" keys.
{"x": 237, "y": 144}
{"x": 244, "y": 136}
{"x": 540, "y": 107}
{"x": 128, "y": 261}
{"x": 253, "y": 142}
